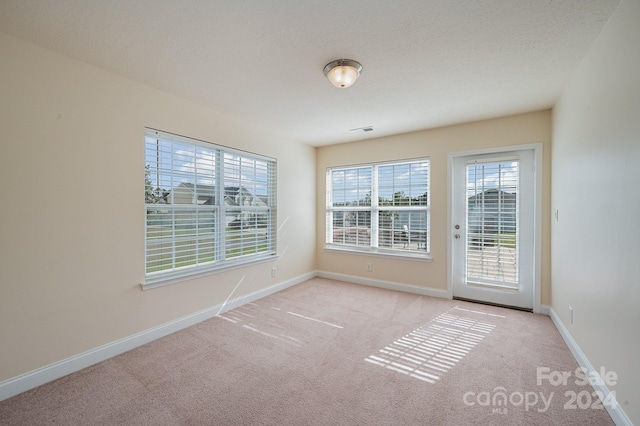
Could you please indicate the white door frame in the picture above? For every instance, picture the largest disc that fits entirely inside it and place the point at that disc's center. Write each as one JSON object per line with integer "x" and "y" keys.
{"x": 537, "y": 232}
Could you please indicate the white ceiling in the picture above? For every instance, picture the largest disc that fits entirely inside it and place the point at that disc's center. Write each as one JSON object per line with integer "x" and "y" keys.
{"x": 427, "y": 63}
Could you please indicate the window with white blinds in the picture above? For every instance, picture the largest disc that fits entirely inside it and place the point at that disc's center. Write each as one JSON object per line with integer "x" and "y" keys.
{"x": 382, "y": 208}
{"x": 492, "y": 223}
{"x": 207, "y": 207}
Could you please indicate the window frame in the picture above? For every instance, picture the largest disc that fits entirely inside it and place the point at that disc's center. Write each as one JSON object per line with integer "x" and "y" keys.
{"x": 374, "y": 209}
{"x": 254, "y": 239}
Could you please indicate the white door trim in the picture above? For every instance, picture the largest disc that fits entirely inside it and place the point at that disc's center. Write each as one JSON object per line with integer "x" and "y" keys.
{"x": 537, "y": 267}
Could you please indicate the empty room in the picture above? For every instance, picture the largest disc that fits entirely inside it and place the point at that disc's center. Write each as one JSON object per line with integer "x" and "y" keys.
{"x": 319, "y": 213}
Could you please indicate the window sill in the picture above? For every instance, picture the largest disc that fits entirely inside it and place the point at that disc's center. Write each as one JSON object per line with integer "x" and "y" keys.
{"x": 376, "y": 252}
{"x": 175, "y": 277}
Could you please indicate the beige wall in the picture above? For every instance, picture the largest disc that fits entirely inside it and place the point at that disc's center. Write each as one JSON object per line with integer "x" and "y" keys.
{"x": 436, "y": 144}
{"x": 596, "y": 173}
{"x": 72, "y": 217}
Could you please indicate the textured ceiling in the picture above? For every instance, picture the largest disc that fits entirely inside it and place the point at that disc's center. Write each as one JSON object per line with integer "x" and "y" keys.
{"x": 427, "y": 63}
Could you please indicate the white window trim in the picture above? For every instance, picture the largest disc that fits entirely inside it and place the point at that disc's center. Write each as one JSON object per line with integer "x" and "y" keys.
{"x": 194, "y": 273}
{"x": 366, "y": 251}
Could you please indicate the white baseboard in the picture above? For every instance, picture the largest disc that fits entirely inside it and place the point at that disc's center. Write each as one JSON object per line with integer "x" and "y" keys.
{"x": 616, "y": 412}
{"x": 389, "y": 285}
{"x": 40, "y": 376}
{"x": 545, "y": 310}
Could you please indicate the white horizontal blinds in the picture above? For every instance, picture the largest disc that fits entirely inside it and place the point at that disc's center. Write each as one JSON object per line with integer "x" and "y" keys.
{"x": 248, "y": 184}
{"x": 403, "y": 200}
{"x": 351, "y": 206}
{"x": 181, "y": 210}
{"x": 352, "y": 187}
{"x": 492, "y": 223}
{"x": 193, "y": 207}
{"x": 381, "y": 206}
{"x": 272, "y": 197}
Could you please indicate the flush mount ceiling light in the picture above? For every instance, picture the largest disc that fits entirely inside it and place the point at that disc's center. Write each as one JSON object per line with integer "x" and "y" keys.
{"x": 343, "y": 73}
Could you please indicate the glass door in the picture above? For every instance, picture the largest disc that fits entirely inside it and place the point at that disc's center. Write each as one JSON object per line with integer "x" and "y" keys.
{"x": 493, "y": 228}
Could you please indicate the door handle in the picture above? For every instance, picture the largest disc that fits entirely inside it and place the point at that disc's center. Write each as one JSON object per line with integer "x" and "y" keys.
{"x": 457, "y": 236}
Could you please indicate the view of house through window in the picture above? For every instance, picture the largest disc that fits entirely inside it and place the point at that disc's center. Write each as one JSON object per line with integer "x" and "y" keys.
{"x": 379, "y": 207}
{"x": 207, "y": 206}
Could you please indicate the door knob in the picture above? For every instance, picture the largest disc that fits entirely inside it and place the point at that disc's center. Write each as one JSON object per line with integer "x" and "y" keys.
{"x": 457, "y": 236}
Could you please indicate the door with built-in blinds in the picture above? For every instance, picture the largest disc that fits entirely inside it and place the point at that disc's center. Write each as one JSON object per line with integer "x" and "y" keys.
{"x": 493, "y": 228}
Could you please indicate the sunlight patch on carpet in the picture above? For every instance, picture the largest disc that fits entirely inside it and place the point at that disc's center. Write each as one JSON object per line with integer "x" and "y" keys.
{"x": 290, "y": 340}
{"x": 247, "y": 317}
{"x": 315, "y": 320}
{"x": 431, "y": 350}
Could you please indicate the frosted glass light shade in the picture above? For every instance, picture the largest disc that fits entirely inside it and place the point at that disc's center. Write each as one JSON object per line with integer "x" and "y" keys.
{"x": 342, "y": 73}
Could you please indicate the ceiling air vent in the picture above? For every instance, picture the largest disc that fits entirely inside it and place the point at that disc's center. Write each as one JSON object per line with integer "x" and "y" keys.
{"x": 362, "y": 129}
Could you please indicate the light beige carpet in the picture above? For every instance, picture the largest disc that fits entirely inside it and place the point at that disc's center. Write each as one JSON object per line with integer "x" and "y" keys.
{"x": 330, "y": 353}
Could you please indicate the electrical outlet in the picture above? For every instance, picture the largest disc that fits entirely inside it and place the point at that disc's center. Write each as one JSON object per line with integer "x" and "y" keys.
{"x": 369, "y": 267}
{"x": 570, "y": 315}
{"x": 273, "y": 272}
